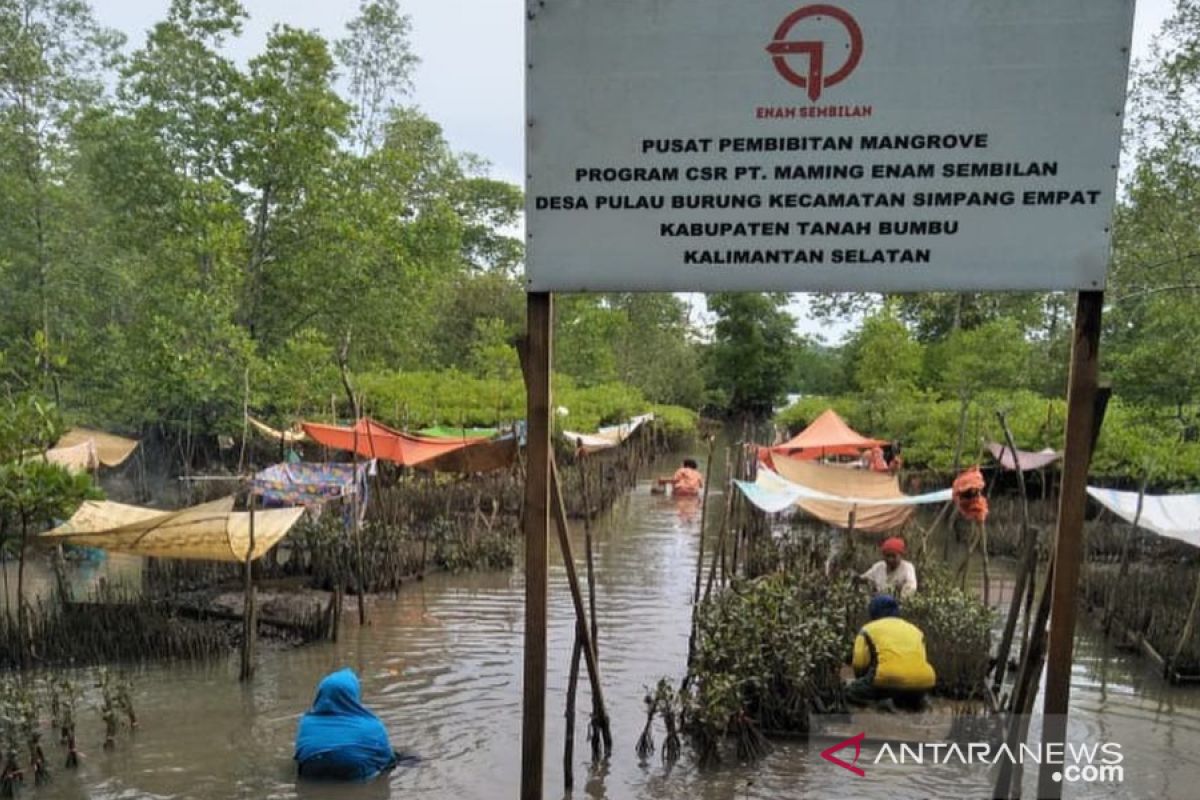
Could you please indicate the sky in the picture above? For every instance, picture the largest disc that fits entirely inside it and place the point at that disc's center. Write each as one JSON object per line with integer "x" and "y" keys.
{"x": 471, "y": 76}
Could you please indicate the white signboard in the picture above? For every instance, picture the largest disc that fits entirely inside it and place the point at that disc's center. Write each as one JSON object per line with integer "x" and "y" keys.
{"x": 887, "y": 145}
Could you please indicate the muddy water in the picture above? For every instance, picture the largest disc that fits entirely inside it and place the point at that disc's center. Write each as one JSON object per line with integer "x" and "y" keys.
{"x": 441, "y": 664}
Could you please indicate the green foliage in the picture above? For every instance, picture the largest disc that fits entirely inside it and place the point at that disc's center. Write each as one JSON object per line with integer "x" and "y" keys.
{"x": 772, "y": 649}
{"x": 958, "y": 633}
{"x": 33, "y": 493}
{"x": 216, "y": 223}
{"x": 423, "y": 399}
{"x": 459, "y": 551}
{"x": 927, "y": 425}
{"x": 819, "y": 369}
{"x": 968, "y": 361}
{"x": 884, "y": 354}
{"x": 379, "y": 63}
{"x": 751, "y": 358}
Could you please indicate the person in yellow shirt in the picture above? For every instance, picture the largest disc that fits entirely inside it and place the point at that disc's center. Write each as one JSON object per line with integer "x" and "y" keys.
{"x": 889, "y": 660}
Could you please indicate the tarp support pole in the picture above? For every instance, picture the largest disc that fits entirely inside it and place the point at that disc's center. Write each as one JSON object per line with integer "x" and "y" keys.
{"x": 249, "y": 624}
{"x": 1081, "y": 415}
{"x": 539, "y": 313}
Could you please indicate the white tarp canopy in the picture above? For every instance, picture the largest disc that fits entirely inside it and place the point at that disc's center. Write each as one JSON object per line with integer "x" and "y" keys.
{"x": 608, "y": 436}
{"x": 1176, "y": 516}
{"x": 772, "y": 493}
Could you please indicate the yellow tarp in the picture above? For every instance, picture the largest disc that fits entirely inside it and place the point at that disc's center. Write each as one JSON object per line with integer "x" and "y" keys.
{"x": 289, "y": 437}
{"x": 75, "y": 458}
{"x": 207, "y": 532}
{"x": 846, "y": 483}
{"x": 110, "y": 449}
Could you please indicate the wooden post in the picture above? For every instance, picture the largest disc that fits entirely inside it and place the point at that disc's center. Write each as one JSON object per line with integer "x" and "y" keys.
{"x": 249, "y": 623}
{"x": 539, "y": 310}
{"x": 1081, "y": 394}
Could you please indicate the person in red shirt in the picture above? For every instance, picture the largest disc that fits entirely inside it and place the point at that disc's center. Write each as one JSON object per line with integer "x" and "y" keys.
{"x": 687, "y": 480}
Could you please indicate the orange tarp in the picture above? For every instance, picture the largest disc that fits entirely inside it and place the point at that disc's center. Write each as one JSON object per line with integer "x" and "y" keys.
{"x": 846, "y": 482}
{"x": 828, "y": 435}
{"x": 484, "y": 456}
{"x": 371, "y": 439}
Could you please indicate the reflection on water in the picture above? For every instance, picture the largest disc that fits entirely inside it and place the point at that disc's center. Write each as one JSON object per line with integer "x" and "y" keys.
{"x": 441, "y": 664}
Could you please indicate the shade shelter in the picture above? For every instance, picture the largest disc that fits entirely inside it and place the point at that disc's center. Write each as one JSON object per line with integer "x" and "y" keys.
{"x": 827, "y": 435}
{"x": 371, "y": 439}
{"x": 207, "y": 532}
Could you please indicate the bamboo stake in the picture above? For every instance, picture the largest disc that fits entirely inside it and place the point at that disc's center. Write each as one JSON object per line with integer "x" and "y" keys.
{"x": 933, "y": 527}
{"x": 599, "y": 714}
{"x": 360, "y": 580}
{"x": 1123, "y": 570}
{"x": 700, "y": 553}
{"x": 245, "y": 418}
{"x": 250, "y": 624}
{"x": 569, "y": 735}
{"x": 587, "y": 543}
{"x": 1008, "y": 779}
{"x": 719, "y": 550}
{"x": 1188, "y": 628}
{"x": 1028, "y": 563}
{"x": 987, "y": 579}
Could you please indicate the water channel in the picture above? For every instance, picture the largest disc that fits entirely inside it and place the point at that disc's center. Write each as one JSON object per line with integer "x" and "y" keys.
{"x": 441, "y": 664}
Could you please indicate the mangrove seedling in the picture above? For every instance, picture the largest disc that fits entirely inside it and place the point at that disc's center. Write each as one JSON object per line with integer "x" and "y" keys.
{"x": 108, "y": 709}
{"x": 125, "y": 700}
{"x": 33, "y": 737}
{"x": 667, "y": 701}
{"x": 645, "y": 742}
{"x": 69, "y": 694}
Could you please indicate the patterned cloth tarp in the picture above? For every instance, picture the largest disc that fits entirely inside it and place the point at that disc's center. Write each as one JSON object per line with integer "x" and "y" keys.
{"x": 1028, "y": 460}
{"x": 308, "y": 484}
{"x": 207, "y": 532}
{"x": 608, "y": 436}
{"x": 830, "y": 493}
{"x": 1176, "y": 516}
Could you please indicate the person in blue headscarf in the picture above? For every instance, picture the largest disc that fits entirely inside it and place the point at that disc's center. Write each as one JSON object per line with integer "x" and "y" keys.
{"x": 338, "y": 737}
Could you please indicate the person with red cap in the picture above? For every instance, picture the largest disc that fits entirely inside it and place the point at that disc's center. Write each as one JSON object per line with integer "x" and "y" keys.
{"x": 893, "y": 575}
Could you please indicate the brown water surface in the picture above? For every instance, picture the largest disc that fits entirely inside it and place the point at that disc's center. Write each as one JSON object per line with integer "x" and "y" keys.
{"x": 441, "y": 664}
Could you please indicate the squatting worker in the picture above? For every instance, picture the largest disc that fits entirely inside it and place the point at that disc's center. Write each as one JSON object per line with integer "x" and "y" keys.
{"x": 893, "y": 574}
{"x": 687, "y": 480}
{"x": 338, "y": 738}
{"x": 889, "y": 660}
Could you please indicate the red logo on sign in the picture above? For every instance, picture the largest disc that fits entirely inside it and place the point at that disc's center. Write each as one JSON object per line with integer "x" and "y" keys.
{"x": 857, "y": 741}
{"x": 815, "y": 77}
